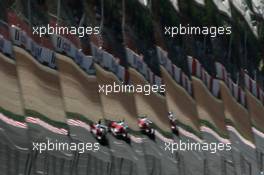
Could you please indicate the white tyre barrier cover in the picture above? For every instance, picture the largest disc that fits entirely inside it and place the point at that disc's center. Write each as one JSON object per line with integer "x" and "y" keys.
{"x": 5, "y": 46}
{"x": 107, "y": 60}
{"x": 174, "y": 71}
{"x": 253, "y": 88}
{"x": 195, "y": 67}
{"x": 136, "y": 61}
{"x": 15, "y": 35}
{"x": 87, "y": 64}
{"x": 177, "y": 73}
{"x": 216, "y": 87}
{"x": 42, "y": 54}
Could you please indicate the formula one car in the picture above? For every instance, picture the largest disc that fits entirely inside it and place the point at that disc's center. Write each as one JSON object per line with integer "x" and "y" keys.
{"x": 146, "y": 126}
{"x": 119, "y": 129}
{"x": 173, "y": 123}
{"x": 99, "y": 130}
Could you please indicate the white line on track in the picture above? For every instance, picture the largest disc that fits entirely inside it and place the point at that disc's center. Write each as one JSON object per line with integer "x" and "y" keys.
{"x": 138, "y": 151}
{"x": 118, "y": 143}
{"x": 172, "y": 160}
{"x": 40, "y": 172}
{"x": 135, "y": 157}
{"x": 105, "y": 152}
{"x": 18, "y": 147}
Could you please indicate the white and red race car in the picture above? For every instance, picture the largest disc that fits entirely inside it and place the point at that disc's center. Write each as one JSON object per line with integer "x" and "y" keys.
{"x": 145, "y": 125}
{"x": 99, "y": 130}
{"x": 119, "y": 129}
{"x": 173, "y": 123}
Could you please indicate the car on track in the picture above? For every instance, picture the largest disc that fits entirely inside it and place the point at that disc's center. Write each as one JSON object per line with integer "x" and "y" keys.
{"x": 173, "y": 123}
{"x": 99, "y": 130}
{"x": 146, "y": 125}
{"x": 119, "y": 129}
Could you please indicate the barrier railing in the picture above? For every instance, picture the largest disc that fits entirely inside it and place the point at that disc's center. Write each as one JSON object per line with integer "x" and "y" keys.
{"x": 64, "y": 46}
{"x": 176, "y": 73}
{"x": 41, "y": 48}
{"x": 237, "y": 92}
{"x": 5, "y": 43}
{"x": 108, "y": 61}
{"x": 40, "y": 53}
{"x": 196, "y": 69}
{"x": 6, "y": 46}
{"x": 4, "y": 30}
{"x": 254, "y": 88}
{"x": 137, "y": 62}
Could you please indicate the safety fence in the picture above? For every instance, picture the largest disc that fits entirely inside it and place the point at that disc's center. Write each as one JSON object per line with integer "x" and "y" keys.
{"x": 254, "y": 88}
{"x": 237, "y": 92}
{"x": 178, "y": 75}
{"x": 196, "y": 69}
{"x": 137, "y": 62}
{"x": 108, "y": 61}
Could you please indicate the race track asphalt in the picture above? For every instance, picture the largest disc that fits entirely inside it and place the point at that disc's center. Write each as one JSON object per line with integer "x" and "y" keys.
{"x": 121, "y": 157}
{"x": 220, "y": 162}
{"x": 245, "y": 157}
{"x": 48, "y": 162}
{"x": 14, "y": 153}
{"x": 191, "y": 161}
